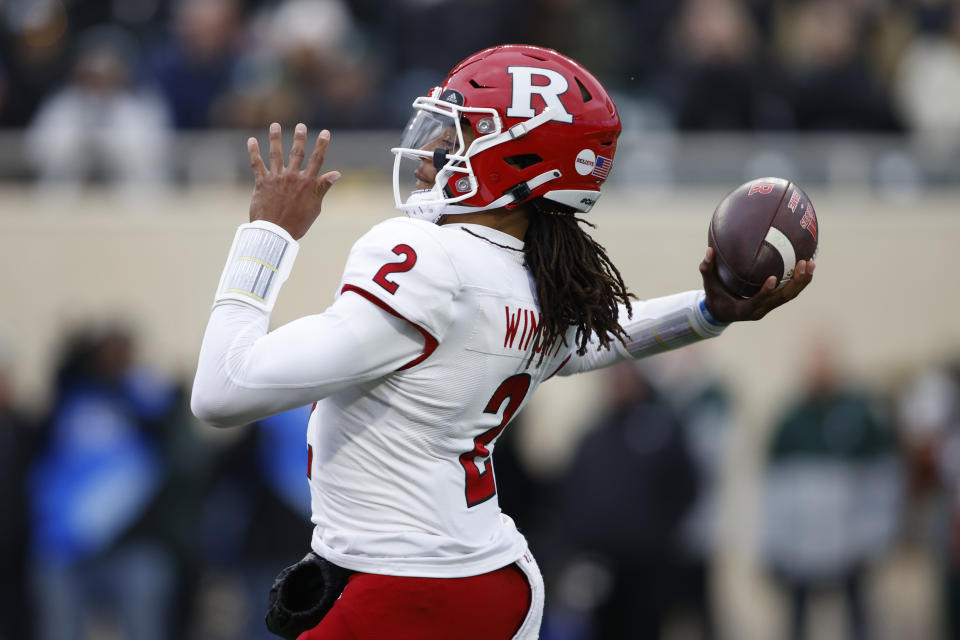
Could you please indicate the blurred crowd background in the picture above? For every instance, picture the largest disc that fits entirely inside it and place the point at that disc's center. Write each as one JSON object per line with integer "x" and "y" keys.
{"x": 71, "y": 70}
{"x": 125, "y": 518}
{"x": 758, "y": 65}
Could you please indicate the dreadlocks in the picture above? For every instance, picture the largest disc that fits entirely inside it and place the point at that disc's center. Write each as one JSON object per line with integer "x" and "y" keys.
{"x": 577, "y": 284}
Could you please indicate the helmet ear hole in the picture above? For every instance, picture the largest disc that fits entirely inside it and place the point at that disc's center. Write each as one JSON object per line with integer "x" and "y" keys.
{"x": 523, "y": 160}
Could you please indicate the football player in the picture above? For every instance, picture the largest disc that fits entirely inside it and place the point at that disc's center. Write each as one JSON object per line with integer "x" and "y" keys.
{"x": 445, "y": 323}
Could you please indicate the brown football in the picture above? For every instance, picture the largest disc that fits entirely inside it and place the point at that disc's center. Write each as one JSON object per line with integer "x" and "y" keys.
{"x": 761, "y": 229}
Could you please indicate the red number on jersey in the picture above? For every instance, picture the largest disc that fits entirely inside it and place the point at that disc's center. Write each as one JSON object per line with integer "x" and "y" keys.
{"x": 480, "y": 485}
{"x": 396, "y": 267}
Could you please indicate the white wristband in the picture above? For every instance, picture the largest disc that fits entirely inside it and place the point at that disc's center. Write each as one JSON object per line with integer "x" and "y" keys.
{"x": 674, "y": 321}
{"x": 260, "y": 260}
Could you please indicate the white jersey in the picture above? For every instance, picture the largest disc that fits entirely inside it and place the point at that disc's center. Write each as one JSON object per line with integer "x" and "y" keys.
{"x": 417, "y": 367}
{"x": 402, "y": 478}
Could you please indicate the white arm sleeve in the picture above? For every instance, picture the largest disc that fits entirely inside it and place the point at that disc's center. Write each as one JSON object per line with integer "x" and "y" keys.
{"x": 245, "y": 373}
{"x": 658, "y": 325}
{"x": 395, "y": 305}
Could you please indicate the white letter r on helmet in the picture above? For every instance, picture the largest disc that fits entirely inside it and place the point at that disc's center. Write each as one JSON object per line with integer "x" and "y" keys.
{"x": 523, "y": 90}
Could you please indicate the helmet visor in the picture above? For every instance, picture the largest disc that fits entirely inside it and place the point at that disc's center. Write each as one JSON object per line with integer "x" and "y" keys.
{"x": 428, "y": 131}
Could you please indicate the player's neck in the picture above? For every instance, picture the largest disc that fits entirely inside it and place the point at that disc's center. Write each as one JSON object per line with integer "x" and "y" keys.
{"x": 512, "y": 221}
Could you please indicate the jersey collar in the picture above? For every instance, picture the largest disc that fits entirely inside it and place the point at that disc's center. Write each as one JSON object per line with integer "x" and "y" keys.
{"x": 492, "y": 235}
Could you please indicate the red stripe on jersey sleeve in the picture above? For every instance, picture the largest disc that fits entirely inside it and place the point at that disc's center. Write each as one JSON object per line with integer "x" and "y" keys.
{"x": 429, "y": 342}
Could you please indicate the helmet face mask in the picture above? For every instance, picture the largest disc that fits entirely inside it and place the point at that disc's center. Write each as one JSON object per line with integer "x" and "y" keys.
{"x": 437, "y": 126}
{"x": 539, "y": 125}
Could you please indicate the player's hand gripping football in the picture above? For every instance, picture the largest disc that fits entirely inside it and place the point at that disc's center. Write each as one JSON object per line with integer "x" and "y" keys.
{"x": 287, "y": 196}
{"x": 726, "y": 307}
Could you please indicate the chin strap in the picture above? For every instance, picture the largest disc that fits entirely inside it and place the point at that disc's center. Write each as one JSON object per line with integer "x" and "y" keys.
{"x": 516, "y": 193}
{"x": 432, "y": 210}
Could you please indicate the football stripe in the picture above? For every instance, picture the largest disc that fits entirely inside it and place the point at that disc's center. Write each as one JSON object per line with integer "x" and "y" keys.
{"x": 781, "y": 243}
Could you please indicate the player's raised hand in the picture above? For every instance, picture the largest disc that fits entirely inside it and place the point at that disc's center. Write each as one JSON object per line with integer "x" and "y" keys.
{"x": 287, "y": 196}
{"x": 726, "y": 307}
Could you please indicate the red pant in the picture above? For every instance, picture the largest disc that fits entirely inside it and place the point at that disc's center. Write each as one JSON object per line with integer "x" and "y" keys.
{"x": 490, "y": 606}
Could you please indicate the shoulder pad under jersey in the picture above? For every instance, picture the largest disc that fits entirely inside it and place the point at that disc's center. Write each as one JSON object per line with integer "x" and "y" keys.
{"x": 402, "y": 264}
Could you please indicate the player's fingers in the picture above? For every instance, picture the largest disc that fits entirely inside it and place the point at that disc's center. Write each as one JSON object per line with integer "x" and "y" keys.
{"x": 706, "y": 265}
{"x": 299, "y": 148}
{"x": 276, "y": 148}
{"x": 791, "y": 290}
{"x": 708, "y": 271}
{"x": 256, "y": 162}
{"x": 324, "y": 182}
{"x": 707, "y": 259}
{"x": 807, "y": 275}
{"x": 802, "y": 275}
{"x": 319, "y": 152}
{"x": 769, "y": 284}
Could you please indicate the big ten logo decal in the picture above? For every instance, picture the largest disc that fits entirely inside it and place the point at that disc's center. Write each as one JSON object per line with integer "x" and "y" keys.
{"x": 760, "y": 187}
{"x": 521, "y": 105}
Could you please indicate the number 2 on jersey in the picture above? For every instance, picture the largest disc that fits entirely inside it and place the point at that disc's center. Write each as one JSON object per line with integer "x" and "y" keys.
{"x": 396, "y": 267}
{"x": 480, "y": 485}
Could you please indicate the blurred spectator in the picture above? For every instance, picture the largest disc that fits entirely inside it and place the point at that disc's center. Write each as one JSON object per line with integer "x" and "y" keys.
{"x": 311, "y": 64}
{"x": 100, "y": 126}
{"x": 714, "y": 64}
{"x": 419, "y": 41}
{"x": 585, "y": 31}
{"x": 704, "y": 406}
{"x": 91, "y": 487}
{"x": 831, "y": 493}
{"x": 256, "y": 520}
{"x": 4, "y": 89}
{"x": 34, "y": 50}
{"x": 619, "y": 506}
{"x": 193, "y": 67}
{"x": 832, "y": 84}
{"x": 927, "y": 80}
{"x": 642, "y": 31}
{"x": 719, "y": 79}
{"x": 930, "y": 415}
{"x": 324, "y": 57}
{"x": 16, "y": 443}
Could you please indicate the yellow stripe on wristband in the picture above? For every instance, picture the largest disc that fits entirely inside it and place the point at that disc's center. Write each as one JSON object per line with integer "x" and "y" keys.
{"x": 246, "y": 293}
{"x": 258, "y": 261}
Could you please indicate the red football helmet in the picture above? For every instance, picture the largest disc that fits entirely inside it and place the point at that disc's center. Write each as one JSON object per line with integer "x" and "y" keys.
{"x": 542, "y": 126}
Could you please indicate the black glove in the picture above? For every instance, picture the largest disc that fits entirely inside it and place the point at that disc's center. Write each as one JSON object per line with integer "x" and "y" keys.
{"x": 302, "y": 594}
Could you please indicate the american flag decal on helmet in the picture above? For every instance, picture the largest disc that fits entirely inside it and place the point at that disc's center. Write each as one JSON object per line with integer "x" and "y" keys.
{"x": 602, "y": 167}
